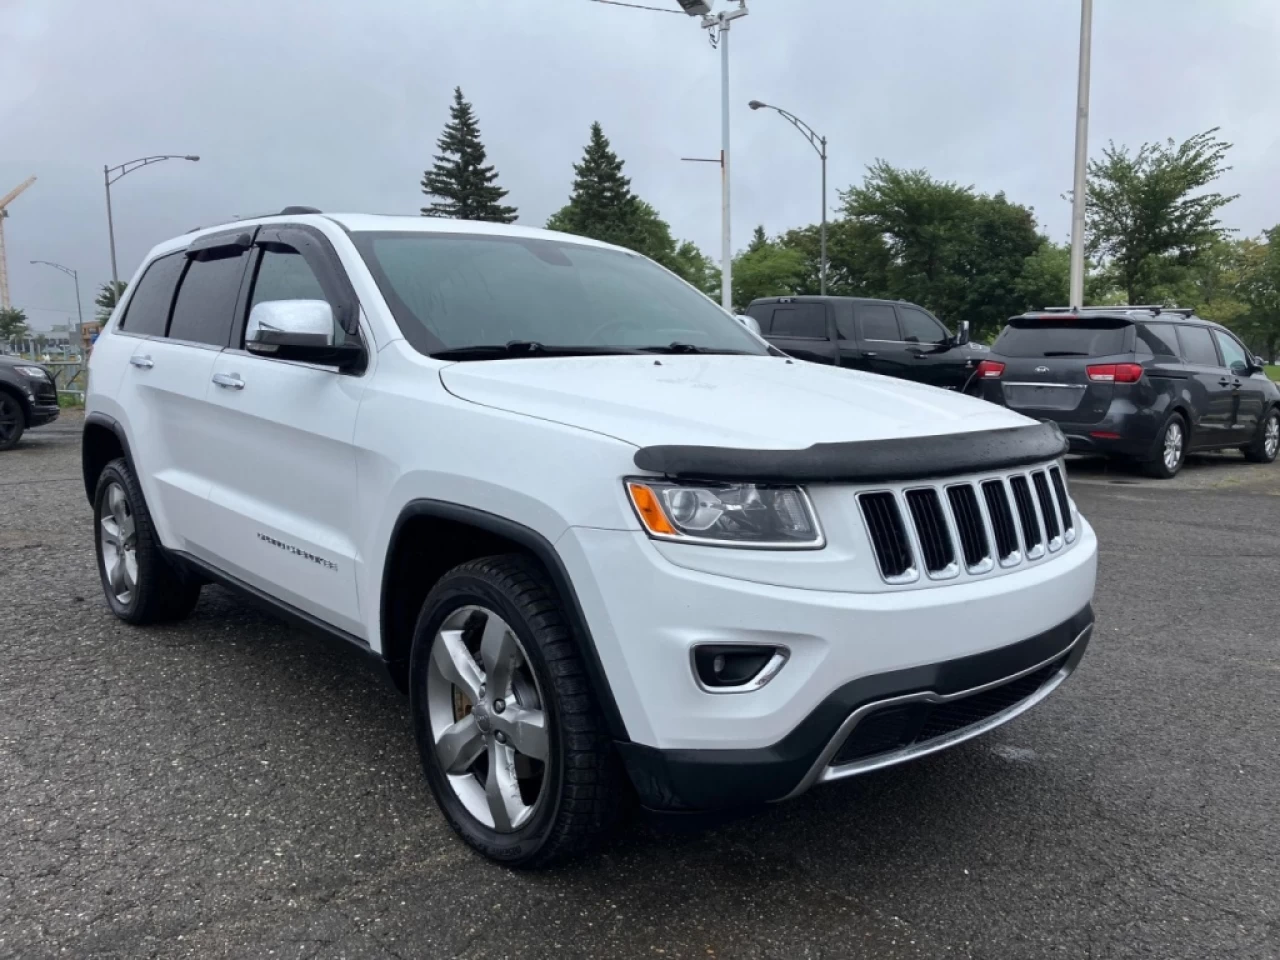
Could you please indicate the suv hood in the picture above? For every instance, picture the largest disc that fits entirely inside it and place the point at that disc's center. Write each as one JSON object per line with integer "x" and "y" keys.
{"x": 736, "y": 401}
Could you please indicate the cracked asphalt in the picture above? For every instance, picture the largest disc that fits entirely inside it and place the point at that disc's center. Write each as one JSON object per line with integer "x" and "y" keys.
{"x": 227, "y": 787}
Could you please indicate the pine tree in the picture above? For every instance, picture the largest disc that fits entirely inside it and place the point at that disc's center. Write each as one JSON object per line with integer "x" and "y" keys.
{"x": 460, "y": 178}
{"x": 758, "y": 241}
{"x": 602, "y": 205}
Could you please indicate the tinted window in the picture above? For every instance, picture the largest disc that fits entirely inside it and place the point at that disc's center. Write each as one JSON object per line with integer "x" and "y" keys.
{"x": 844, "y": 322}
{"x": 878, "y": 322}
{"x": 148, "y": 309}
{"x": 1197, "y": 346}
{"x": 1062, "y": 337}
{"x": 457, "y": 290}
{"x": 1157, "y": 340}
{"x": 803, "y": 320}
{"x": 762, "y": 313}
{"x": 285, "y": 275}
{"x": 1232, "y": 352}
{"x": 919, "y": 326}
{"x": 207, "y": 300}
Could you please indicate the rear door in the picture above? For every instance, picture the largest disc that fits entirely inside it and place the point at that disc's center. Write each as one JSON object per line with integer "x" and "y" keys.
{"x": 804, "y": 329}
{"x": 1248, "y": 392}
{"x": 1211, "y": 389}
{"x": 1046, "y": 362}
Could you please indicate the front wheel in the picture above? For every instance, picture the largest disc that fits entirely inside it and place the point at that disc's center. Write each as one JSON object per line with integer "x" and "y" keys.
{"x": 12, "y": 421}
{"x": 1266, "y": 443}
{"x": 512, "y": 743}
{"x": 1171, "y": 450}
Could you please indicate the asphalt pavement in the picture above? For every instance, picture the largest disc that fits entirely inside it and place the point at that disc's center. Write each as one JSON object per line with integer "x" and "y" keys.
{"x": 227, "y": 787}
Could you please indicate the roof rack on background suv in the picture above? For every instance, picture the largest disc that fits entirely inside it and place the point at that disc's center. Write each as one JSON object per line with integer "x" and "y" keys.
{"x": 1155, "y": 308}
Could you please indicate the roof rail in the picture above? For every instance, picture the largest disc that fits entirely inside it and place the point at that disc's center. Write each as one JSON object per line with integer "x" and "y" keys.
{"x": 1156, "y": 308}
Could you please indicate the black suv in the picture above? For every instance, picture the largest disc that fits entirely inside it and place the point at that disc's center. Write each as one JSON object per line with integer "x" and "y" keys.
{"x": 28, "y": 398}
{"x": 893, "y": 338}
{"x": 1143, "y": 383}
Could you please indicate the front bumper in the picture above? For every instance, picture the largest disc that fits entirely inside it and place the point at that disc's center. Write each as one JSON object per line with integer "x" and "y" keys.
{"x": 44, "y": 412}
{"x": 867, "y": 724}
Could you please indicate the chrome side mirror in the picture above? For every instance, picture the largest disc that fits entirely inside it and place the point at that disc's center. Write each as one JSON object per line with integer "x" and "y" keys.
{"x": 750, "y": 323}
{"x": 962, "y": 335}
{"x": 300, "y": 330}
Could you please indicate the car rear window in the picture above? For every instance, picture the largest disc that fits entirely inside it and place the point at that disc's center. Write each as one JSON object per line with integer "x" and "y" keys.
{"x": 1063, "y": 337}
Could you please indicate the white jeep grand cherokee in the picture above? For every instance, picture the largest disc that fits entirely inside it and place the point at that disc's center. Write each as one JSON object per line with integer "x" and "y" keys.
{"x": 610, "y": 543}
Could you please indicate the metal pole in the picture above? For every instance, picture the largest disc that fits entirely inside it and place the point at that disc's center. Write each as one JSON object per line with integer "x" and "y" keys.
{"x": 824, "y": 216}
{"x": 726, "y": 240}
{"x": 111, "y": 229}
{"x": 79, "y": 310}
{"x": 1076, "y": 297}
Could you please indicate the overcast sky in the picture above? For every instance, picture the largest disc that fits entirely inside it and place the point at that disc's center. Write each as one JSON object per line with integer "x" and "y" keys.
{"x": 338, "y": 103}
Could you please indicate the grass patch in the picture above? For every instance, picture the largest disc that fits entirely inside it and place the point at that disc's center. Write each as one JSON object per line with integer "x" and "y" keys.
{"x": 1273, "y": 371}
{"x": 69, "y": 401}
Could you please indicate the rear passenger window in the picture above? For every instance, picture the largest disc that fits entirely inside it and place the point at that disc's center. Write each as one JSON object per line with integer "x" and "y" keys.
{"x": 1197, "y": 346}
{"x": 148, "y": 308}
{"x": 803, "y": 321}
{"x": 206, "y": 301}
{"x": 1157, "y": 340}
{"x": 878, "y": 322}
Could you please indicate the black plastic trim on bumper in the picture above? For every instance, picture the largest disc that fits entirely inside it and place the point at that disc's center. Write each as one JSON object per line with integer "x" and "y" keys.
{"x": 695, "y": 780}
{"x": 44, "y": 413}
{"x": 864, "y": 461}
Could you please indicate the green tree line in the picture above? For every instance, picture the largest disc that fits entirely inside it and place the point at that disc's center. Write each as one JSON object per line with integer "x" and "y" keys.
{"x": 1153, "y": 236}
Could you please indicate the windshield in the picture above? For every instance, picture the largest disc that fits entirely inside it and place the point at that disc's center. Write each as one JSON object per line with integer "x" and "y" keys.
{"x": 453, "y": 291}
{"x": 1062, "y": 337}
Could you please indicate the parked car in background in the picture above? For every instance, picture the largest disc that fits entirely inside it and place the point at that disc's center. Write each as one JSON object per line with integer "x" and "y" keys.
{"x": 893, "y": 338}
{"x": 1144, "y": 383}
{"x": 28, "y": 398}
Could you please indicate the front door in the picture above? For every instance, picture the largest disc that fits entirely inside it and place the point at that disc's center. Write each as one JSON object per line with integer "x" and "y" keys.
{"x": 1248, "y": 393}
{"x": 933, "y": 360}
{"x": 883, "y": 350}
{"x": 284, "y": 485}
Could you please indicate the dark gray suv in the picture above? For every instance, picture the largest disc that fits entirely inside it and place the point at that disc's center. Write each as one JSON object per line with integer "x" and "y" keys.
{"x": 28, "y": 398}
{"x": 1144, "y": 383}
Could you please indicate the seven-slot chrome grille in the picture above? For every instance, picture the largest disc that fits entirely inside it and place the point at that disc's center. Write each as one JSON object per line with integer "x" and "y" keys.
{"x": 937, "y": 530}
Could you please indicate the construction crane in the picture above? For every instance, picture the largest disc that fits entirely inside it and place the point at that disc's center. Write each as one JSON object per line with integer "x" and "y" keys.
{"x": 4, "y": 262}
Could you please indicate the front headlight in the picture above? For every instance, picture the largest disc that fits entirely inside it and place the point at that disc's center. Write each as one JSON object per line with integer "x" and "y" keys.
{"x": 35, "y": 373}
{"x": 767, "y": 516}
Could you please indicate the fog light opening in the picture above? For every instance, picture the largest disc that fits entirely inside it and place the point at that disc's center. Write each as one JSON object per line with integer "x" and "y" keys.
{"x": 736, "y": 668}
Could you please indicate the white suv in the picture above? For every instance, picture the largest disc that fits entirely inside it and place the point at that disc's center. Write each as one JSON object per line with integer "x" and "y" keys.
{"x": 611, "y": 543}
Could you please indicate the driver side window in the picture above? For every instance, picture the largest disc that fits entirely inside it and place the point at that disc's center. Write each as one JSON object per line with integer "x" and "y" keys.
{"x": 1233, "y": 355}
{"x": 284, "y": 274}
{"x": 919, "y": 327}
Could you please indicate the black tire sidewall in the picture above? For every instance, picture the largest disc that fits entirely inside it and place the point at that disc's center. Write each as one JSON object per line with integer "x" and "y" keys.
{"x": 6, "y": 398}
{"x": 1157, "y": 465}
{"x": 461, "y": 589}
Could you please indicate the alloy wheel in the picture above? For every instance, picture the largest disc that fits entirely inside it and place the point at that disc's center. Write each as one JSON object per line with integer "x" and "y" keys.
{"x": 488, "y": 725}
{"x": 1173, "y": 446}
{"x": 9, "y": 414}
{"x": 119, "y": 537}
{"x": 1271, "y": 436}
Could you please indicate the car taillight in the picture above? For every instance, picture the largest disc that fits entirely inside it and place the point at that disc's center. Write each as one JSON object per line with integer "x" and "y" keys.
{"x": 990, "y": 369}
{"x": 1115, "y": 372}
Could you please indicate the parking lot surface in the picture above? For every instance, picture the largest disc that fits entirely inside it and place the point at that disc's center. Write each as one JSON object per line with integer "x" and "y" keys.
{"x": 227, "y": 787}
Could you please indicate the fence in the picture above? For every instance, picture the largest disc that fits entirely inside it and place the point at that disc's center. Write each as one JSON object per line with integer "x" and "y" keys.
{"x": 68, "y": 376}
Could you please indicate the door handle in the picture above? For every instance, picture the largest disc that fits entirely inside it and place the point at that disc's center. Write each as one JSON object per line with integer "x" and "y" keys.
{"x": 143, "y": 363}
{"x": 231, "y": 380}
{"x": 919, "y": 356}
{"x": 870, "y": 353}
{"x": 1236, "y": 384}
{"x": 1224, "y": 382}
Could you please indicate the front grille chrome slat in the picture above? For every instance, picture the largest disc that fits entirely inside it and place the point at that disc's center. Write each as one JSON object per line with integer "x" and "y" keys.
{"x": 970, "y": 527}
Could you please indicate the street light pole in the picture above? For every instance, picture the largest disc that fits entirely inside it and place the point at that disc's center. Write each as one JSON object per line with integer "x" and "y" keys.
{"x": 76, "y": 278}
{"x": 1080, "y": 186}
{"x": 119, "y": 171}
{"x": 820, "y": 145}
{"x": 720, "y": 22}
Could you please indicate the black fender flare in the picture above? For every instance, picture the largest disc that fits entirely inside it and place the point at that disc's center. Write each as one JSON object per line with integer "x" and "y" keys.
{"x": 541, "y": 548}
{"x": 99, "y": 419}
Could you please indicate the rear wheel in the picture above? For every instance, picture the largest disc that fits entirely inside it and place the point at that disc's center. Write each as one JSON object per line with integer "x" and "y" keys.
{"x": 1171, "y": 449}
{"x": 12, "y": 420}
{"x": 1266, "y": 443}
{"x": 512, "y": 744}
{"x": 140, "y": 582}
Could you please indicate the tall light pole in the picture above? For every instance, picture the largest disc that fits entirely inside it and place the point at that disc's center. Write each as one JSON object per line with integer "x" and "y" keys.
{"x": 76, "y": 277}
{"x": 111, "y": 174}
{"x": 720, "y": 22}
{"x": 1082, "y": 156}
{"x": 819, "y": 144}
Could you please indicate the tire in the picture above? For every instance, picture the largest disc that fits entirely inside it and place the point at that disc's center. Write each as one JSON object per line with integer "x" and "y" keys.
{"x": 1167, "y": 461}
{"x": 140, "y": 583}
{"x": 502, "y": 612}
{"x": 1266, "y": 442}
{"x": 13, "y": 420}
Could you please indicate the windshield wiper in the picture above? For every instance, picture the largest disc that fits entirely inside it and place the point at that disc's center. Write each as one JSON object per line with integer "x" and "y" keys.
{"x": 523, "y": 348}
{"x": 678, "y": 347}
